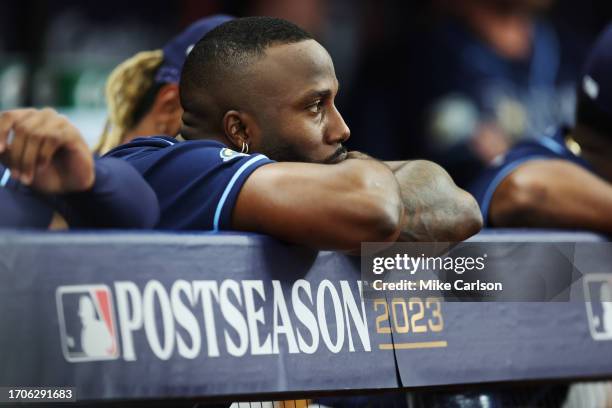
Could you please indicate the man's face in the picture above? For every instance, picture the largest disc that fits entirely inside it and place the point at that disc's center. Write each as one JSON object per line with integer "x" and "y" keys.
{"x": 291, "y": 97}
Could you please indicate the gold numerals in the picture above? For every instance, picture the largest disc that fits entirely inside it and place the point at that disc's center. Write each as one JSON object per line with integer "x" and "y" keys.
{"x": 409, "y": 315}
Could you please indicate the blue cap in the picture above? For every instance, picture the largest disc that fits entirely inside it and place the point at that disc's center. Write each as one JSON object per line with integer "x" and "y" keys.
{"x": 596, "y": 79}
{"x": 176, "y": 51}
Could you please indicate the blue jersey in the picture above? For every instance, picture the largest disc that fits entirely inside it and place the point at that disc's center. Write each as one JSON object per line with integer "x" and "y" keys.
{"x": 197, "y": 182}
{"x": 547, "y": 147}
{"x": 476, "y": 85}
{"x": 21, "y": 207}
{"x": 119, "y": 198}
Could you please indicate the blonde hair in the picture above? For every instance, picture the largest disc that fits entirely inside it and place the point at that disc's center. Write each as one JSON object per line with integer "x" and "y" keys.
{"x": 125, "y": 88}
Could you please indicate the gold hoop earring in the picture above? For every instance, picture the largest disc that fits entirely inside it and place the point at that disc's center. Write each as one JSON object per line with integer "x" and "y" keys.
{"x": 245, "y": 148}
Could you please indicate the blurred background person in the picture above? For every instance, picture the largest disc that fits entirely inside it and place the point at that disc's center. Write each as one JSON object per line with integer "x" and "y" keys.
{"x": 501, "y": 74}
{"x": 564, "y": 179}
{"x": 60, "y": 53}
{"x": 458, "y": 82}
{"x": 142, "y": 92}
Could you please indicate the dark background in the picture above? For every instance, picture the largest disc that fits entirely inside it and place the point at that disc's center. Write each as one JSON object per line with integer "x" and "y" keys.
{"x": 390, "y": 57}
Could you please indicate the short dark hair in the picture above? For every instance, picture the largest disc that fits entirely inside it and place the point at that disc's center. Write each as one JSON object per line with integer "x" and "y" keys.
{"x": 229, "y": 47}
{"x": 589, "y": 114}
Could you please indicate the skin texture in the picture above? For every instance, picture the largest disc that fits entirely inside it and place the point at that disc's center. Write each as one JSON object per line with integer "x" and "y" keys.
{"x": 323, "y": 206}
{"x": 46, "y": 152}
{"x": 435, "y": 208}
{"x": 282, "y": 105}
{"x": 163, "y": 118}
{"x": 298, "y": 121}
{"x": 552, "y": 194}
{"x": 558, "y": 193}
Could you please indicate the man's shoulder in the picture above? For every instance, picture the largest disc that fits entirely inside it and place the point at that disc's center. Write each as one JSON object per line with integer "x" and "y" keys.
{"x": 197, "y": 182}
{"x": 165, "y": 144}
{"x": 551, "y": 145}
{"x": 149, "y": 151}
{"x": 160, "y": 158}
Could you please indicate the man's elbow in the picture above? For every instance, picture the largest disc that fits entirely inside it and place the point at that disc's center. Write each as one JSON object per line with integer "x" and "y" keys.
{"x": 373, "y": 220}
{"x": 468, "y": 218}
{"x": 517, "y": 201}
{"x": 387, "y": 220}
{"x": 383, "y": 210}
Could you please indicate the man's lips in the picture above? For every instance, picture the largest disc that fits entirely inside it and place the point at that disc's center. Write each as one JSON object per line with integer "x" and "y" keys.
{"x": 338, "y": 156}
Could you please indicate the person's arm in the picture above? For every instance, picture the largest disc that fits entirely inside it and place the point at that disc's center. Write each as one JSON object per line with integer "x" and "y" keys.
{"x": 44, "y": 151}
{"x": 436, "y": 210}
{"x": 323, "y": 206}
{"x": 552, "y": 194}
{"x": 23, "y": 209}
{"x": 47, "y": 153}
{"x": 119, "y": 198}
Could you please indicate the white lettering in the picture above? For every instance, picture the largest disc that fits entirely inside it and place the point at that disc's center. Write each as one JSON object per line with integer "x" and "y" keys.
{"x": 255, "y": 316}
{"x": 185, "y": 318}
{"x": 324, "y": 286}
{"x": 154, "y": 289}
{"x": 128, "y": 323}
{"x": 286, "y": 328}
{"x": 305, "y": 316}
{"x": 359, "y": 319}
{"x": 206, "y": 290}
{"x": 233, "y": 316}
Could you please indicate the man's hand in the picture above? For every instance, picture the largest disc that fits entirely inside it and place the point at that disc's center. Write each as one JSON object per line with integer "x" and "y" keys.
{"x": 489, "y": 142}
{"x": 45, "y": 151}
{"x": 354, "y": 154}
{"x": 435, "y": 209}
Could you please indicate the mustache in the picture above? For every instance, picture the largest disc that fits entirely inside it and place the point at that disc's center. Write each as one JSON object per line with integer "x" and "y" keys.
{"x": 334, "y": 157}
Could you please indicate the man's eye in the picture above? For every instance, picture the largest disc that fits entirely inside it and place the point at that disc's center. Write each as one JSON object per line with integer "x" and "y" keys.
{"x": 315, "y": 107}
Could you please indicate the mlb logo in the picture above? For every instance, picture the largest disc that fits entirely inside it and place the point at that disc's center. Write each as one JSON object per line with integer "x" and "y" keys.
{"x": 598, "y": 296}
{"x": 229, "y": 154}
{"x": 88, "y": 329}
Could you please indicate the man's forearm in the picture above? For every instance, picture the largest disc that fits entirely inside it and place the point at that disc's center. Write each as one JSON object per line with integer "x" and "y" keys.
{"x": 552, "y": 194}
{"x": 119, "y": 198}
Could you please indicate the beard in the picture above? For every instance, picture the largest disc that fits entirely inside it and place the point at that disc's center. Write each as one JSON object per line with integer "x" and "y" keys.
{"x": 281, "y": 151}
{"x": 338, "y": 156}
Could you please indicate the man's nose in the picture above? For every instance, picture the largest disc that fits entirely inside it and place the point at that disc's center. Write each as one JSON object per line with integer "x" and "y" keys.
{"x": 337, "y": 130}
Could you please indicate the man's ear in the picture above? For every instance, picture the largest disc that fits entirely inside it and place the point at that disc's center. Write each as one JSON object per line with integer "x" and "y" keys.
{"x": 238, "y": 127}
{"x": 167, "y": 110}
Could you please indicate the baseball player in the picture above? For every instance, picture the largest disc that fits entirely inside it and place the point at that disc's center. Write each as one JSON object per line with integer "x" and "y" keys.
{"x": 263, "y": 151}
{"x": 563, "y": 180}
